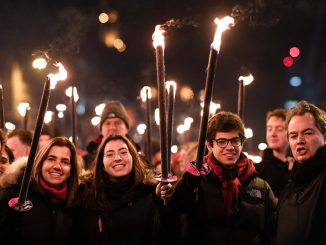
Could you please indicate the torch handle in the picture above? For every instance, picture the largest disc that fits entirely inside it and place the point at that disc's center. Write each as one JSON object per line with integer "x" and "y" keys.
{"x": 170, "y": 123}
{"x": 241, "y": 99}
{"x": 2, "y": 115}
{"x": 162, "y": 108}
{"x": 26, "y": 118}
{"x": 37, "y": 132}
{"x": 149, "y": 129}
{"x": 73, "y": 115}
{"x": 210, "y": 76}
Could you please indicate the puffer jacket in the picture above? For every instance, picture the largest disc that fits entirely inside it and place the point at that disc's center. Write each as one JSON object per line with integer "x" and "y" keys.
{"x": 45, "y": 223}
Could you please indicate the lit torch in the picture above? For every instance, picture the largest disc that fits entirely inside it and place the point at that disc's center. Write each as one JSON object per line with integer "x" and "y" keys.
{"x": 23, "y": 109}
{"x": 21, "y": 203}
{"x": 158, "y": 42}
{"x": 73, "y": 94}
{"x": 243, "y": 81}
{"x": 222, "y": 25}
{"x": 146, "y": 95}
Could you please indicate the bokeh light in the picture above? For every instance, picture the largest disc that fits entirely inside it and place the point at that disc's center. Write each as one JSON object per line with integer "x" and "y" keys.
{"x": 103, "y": 18}
{"x": 294, "y": 52}
{"x": 288, "y": 61}
{"x": 186, "y": 93}
{"x": 295, "y": 81}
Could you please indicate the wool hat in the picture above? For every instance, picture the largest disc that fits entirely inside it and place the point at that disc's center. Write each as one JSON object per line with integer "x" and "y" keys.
{"x": 114, "y": 109}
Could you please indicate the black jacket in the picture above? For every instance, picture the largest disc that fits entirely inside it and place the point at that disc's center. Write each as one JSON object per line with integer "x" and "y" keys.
{"x": 45, "y": 223}
{"x": 254, "y": 223}
{"x": 274, "y": 171}
{"x": 140, "y": 221}
{"x": 302, "y": 206}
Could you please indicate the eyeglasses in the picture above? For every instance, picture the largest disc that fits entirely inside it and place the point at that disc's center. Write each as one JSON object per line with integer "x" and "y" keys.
{"x": 222, "y": 142}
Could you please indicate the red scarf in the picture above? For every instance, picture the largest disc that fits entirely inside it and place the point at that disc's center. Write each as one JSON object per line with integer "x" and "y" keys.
{"x": 55, "y": 194}
{"x": 231, "y": 179}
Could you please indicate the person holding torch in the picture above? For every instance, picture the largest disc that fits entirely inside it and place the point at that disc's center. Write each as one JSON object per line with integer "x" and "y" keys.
{"x": 53, "y": 196}
{"x": 225, "y": 202}
{"x": 121, "y": 203}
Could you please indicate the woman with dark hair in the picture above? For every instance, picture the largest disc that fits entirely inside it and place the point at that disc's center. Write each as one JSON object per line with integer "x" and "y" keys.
{"x": 122, "y": 204}
{"x": 52, "y": 192}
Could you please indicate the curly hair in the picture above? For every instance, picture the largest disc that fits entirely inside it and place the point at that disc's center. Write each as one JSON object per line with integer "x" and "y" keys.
{"x": 225, "y": 122}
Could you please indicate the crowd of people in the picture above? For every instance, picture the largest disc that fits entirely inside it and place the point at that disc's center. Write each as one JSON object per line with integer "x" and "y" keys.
{"x": 115, "y": 194}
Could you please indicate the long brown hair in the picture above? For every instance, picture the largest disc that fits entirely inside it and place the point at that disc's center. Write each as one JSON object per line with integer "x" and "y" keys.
{"x": 72, "y": 181}
{"x": 138, "y": 168}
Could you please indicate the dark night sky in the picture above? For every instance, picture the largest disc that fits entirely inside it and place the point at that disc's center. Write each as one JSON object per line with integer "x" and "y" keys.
{"x": 70, "y": 32}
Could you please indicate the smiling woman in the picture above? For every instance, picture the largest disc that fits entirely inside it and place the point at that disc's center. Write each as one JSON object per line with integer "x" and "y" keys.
{"x": 122, "y": 201}
{"x": 53, "y": 188}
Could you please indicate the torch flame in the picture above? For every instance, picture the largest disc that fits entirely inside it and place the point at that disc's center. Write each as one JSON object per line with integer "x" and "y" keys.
{"x": 246, "y": 79}
{"x": 222, "y": 25}
{"x": 171, "y": 83}
{"x": 143, "y": 93}
{"x": 62, "y": 75}
{"x": 23, "y": 107}
{"x": 158, "y": 37}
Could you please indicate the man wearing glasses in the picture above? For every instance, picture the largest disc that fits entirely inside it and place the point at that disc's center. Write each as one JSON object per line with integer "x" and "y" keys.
{"x": 228, "y": 204}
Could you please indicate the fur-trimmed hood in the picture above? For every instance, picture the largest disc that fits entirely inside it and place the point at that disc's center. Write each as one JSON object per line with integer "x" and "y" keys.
{"x": 86, "y": 176}
{"x": 13, "y": 173}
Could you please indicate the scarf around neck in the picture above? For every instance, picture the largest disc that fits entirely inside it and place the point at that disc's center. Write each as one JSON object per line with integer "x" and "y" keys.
{"x": 306, "y": 171}
{"x": 55, "y": 195}
{"x": 231, "y": 179}
{"x": 119, "y": 193}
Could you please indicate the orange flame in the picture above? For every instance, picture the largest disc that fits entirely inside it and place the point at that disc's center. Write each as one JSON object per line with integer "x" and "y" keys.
{"x": 61, "y": 75}
{"x": 222, "y": 25}
{"x": 158, "y": 37}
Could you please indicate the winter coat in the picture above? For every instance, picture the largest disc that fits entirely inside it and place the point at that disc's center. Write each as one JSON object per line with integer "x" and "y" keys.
{"x": 45, "y": 223}
{"x": 142, "y": 220}
{"x": 200, "y": 197}
{"x": 274, "y": 171}
{"x": 302, "y": 206}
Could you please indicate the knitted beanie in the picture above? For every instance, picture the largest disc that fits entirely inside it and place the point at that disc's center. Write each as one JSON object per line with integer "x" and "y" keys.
{"x": 114, "y": 109}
